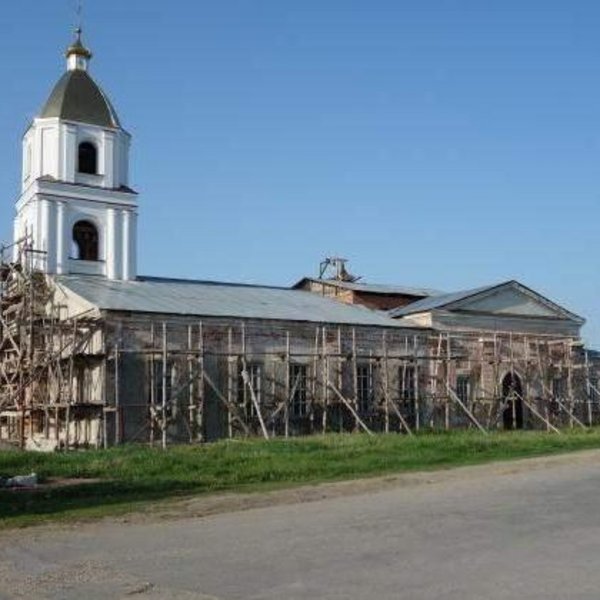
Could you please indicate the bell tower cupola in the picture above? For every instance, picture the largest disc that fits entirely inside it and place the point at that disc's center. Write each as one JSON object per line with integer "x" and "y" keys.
{"x": 77, "y": 54}
{"x": 76, "y": 207}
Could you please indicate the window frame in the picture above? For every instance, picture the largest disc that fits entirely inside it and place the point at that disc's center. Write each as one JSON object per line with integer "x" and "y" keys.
{"x": 407, "y": 373}
{"x": 365, "y": 387}
{"x": 299, "y": 399}
{"x": 464, "y": 387}
{"x": 255, "y": 376}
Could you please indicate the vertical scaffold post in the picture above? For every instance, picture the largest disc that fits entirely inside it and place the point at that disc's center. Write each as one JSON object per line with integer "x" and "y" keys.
{"x": 588, "y": 389}
{"x": 386, "y": 382}
{"x": 164, "y": 399}
{"x": 230, "y": 366}
{"x": 201, "y": 396}
{"x": 191, "y": 387}
{"x": 354, "y": 377}
{"x": 288, "y": 385}
{"x": 152, "y": 385}
{"x": 325, "y": 370}
{"x": 117, "y": 394}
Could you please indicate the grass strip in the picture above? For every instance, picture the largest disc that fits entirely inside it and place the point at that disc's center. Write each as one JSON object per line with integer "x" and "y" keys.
{"x": 128, "y": 477}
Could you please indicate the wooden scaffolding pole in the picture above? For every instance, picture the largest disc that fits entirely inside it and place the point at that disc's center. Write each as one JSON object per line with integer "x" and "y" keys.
{"x": 230, "y": 365}
{"x": 325, "y": 388}
{"x": 354, "y": 375}
{"x": 200, "y": 385}
{"x": 350, "y": 408}
{"x": 118, "y": 432}
{"x": 314, "y": 382}
{"x": 288, "y": 396}
{"x": 454, "y": 396}
{"x": 152, "y": 386}
{"x": 164, "y": 399}
{"x": 386, "y": 383}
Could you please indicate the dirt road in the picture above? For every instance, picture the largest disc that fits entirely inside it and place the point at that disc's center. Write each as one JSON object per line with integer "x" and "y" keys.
{"x": 527, "y": 530}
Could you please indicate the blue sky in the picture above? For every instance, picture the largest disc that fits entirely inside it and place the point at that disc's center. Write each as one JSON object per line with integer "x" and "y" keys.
{"x": 446, "y": 144}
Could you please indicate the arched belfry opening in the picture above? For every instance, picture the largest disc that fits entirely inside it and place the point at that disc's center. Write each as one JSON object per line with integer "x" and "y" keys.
{"x": 512, "y": 396}
{"x": 87, "y": 161}
{"x": 85, "y": 241}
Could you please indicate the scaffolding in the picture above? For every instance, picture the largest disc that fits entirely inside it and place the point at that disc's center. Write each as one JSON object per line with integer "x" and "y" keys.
{"x": 42, "y": 354}
{"x": 97, "y": 379}
{"x": 276, "y": 381}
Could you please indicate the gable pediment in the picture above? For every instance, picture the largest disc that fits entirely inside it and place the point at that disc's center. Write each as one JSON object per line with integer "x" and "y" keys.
{"x": 512, "y": 299}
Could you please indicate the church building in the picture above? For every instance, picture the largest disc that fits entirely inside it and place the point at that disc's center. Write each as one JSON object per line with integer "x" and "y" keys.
{"x": 94, "y": 354}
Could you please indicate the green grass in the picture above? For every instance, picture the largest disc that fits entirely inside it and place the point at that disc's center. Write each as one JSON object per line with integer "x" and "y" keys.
{"x": 132, "y": 476}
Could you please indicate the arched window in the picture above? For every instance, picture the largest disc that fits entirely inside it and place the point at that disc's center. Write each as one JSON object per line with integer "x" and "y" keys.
{"x": 85, "y": 241}
{"x": 87, "y": 158}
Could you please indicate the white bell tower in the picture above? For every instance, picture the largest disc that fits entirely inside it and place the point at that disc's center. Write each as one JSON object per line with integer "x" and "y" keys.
{"x": 76, "y": 206}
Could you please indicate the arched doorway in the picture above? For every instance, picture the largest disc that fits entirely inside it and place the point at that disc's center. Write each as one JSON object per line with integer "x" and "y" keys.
{"x": 512, "y": 394}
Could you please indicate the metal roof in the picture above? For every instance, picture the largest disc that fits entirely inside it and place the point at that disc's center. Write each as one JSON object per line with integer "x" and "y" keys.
{"x": 77, "y": 97}
{"x": 436, "y": 301}
{"x": 217, "y": 299}
{"x": 446, "y": 300}
{"x": 373, "y": 288}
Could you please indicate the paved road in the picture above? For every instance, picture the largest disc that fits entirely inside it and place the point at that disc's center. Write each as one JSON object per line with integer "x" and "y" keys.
{"x": 523, "y": 531}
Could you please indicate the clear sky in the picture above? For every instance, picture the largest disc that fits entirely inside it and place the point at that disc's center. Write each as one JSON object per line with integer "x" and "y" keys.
{"x": 446, "y": 144}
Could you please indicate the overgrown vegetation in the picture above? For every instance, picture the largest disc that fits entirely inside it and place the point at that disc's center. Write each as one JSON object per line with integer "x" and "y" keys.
{"x": 128, "y": 477}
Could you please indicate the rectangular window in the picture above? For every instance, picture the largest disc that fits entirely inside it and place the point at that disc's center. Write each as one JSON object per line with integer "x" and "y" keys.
{"x": 559, "y": 388}
{"x": 463, "y": 388}
{"x": 408, "y": 383}
{"x": 252, "y": 381}
{"x": 594, "y": 390}
{"x": 157, "y": 366}
{"x": 298, "y": 389}
{"x": 365, "y": 395}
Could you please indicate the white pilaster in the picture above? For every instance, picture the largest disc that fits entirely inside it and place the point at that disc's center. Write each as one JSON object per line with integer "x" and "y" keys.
{"x": 69, "y": 153}
{"x": 126, "y": 216}
{"x": 63, "y": 239}
{"x": 113, "y": 244}
{"x": 16, "y": 237}
{"x": 49, "y": 234}
{"x": 108, "y": 159}
{"x": 132, "y": 245}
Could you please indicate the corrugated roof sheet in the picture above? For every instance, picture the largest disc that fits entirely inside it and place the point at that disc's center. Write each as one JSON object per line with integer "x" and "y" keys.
{"x": 437, "y": 301}
{"x": 216, "y": 299}
{"x": 374, "y": 288}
